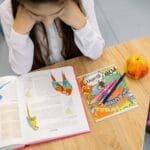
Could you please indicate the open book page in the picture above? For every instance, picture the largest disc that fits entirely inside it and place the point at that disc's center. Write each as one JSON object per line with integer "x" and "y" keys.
{"x": 10, "y": 129}
{"x": 95, "y": 87}
{"x": 52, "y": 105}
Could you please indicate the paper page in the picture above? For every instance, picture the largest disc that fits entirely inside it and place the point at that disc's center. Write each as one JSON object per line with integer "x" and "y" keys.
{"x": 52, "y": 105}
{"x": 10, "y": 130}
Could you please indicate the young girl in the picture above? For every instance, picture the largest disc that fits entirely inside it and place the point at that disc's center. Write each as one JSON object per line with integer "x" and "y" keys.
{"x": 43, "y": 32}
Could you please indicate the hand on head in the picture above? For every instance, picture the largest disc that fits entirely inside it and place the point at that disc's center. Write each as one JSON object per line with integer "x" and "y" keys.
{"x": 29, "y": 13}
{"x": 23, "y": 22}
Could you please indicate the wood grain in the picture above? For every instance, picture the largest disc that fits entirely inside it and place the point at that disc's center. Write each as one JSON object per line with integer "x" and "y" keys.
{"x": 121, "y": 132}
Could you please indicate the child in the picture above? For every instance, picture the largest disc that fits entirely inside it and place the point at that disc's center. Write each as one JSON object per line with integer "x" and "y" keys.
{"x": 43, "y": 32}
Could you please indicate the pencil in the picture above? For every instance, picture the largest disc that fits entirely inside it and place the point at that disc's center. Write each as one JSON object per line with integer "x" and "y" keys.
{"x": 108, "y": 94}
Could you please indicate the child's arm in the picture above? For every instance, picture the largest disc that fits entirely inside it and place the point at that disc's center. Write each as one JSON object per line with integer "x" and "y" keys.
{"x": 87, "y": 35}
{"x": 23, "y": 22}
{"x": 88, "y": 38}
{"x": 20, "y": 45}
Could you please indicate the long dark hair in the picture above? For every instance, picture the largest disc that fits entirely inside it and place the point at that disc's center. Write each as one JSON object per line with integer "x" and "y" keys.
{"x": 69, "y": 48}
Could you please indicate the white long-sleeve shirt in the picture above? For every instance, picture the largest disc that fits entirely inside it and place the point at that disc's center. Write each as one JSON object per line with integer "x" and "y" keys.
{"x": 21, "y": 48}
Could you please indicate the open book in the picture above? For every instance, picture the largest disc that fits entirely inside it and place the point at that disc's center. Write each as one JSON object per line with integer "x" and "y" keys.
{"x": 40, "y": 106}
{"x": 95, "y": 86}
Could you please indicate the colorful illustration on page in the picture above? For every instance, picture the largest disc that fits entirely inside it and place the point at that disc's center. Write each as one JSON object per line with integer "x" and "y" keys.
{"x": 32, "y": 120}
{"x": 94, "y": 87}
{"x": 63, "y": 87}
{"x": 91, "y": 84}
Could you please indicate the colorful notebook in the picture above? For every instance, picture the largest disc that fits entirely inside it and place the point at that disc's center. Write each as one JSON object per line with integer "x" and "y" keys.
{"x": 95, "y": 85}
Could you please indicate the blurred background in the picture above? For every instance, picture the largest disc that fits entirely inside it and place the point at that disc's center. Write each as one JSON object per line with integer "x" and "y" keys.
{"x": 119, "y": 20}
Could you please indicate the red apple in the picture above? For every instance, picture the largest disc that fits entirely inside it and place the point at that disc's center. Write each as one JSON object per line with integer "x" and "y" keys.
{"x": 137, "y": 66}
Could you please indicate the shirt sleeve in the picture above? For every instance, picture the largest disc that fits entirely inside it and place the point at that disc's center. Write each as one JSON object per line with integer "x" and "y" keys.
{"x": 89, "y": 39}
{"x": 20, "y": 46}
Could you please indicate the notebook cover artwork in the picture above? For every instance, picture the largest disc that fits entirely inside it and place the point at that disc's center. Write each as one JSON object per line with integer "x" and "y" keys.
{"x": 93, "y": 86}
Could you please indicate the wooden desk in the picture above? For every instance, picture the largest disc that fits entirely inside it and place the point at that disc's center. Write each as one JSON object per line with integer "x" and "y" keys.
{"x": 121, "y": 132}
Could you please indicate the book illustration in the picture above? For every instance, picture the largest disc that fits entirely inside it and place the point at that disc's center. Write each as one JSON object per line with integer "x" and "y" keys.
{"x": 63, "y": 87}
{"x": 2, "y": 86}
{"x": 66, "y": 85}
{"x": 93, "y": 83}
{"x": 28, "y": 94}
{"x": 95, "y": 87}
{"x": 32, "y": 120}
{"x": 68, "y": 107}
{"x": 68, "y": 111}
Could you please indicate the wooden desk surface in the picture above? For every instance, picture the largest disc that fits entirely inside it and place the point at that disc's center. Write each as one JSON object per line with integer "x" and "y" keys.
{"x": 121, "y": 132}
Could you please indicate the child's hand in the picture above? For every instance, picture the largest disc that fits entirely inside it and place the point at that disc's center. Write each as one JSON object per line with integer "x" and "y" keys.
{"x": 73, "y": 16}
{"x": 23, "y": 22}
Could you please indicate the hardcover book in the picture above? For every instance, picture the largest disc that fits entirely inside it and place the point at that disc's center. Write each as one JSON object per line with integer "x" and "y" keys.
{"x": 40, "y": 106}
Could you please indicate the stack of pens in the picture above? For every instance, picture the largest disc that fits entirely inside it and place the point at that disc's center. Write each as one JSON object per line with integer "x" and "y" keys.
{"x": 107, "y": 90}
